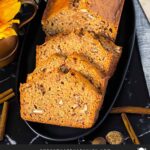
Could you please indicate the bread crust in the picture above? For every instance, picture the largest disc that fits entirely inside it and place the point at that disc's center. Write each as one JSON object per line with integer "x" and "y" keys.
{"x": 52, "y": 7}
{"x": 81, "y": 64}
{"x": 108, "y": 11}
{"x": 95, "y": 54}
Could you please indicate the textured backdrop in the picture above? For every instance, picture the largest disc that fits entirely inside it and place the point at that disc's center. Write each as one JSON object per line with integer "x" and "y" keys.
{"x": 143, "y": 34}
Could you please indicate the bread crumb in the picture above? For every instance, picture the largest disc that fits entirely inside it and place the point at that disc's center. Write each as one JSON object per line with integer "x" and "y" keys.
{"x": 60, "y": 102}
{"x": 38, "y": 111}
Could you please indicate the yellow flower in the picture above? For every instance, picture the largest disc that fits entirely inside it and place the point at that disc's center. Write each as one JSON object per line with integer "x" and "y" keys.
{"x": 8, "y": 10}
{"x": 7, "y": 32}
{"x": 4, "y": 26}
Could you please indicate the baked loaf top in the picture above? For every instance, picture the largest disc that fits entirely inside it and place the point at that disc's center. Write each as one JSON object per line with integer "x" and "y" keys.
{"x": 109, "y": 10}
{"x": 64, "y": 99}
{"x": 98, "y": 16}
{"x": 54, "y": 6}
{"x": 85, "y": 44}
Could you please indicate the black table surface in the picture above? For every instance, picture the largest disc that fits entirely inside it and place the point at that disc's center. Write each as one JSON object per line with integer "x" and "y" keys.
{"x": 133, "y": 93}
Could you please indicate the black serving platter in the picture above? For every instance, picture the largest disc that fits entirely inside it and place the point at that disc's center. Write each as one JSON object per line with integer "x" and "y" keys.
{"x": 34, "y": 36}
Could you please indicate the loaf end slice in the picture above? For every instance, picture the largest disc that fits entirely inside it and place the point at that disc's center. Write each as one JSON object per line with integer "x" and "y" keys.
{"x": 98, "y": 16}
{"x": 63, "y": 99}
{"x": 76, "y": 62}
{"x": 81, "y": 43}
{"x": 53, "y": 62}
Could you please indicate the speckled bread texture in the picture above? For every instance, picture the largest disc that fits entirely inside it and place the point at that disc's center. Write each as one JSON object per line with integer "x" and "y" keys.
{"x": 75, "y": 61}
{"x": 55, "y": 61}
{"x": 111, "y": 46}
{"x": 64, "y": 99}
{"x": 81, "y": 64}
{"x": 98, "y": 16}
{"x": 84, "y": 44}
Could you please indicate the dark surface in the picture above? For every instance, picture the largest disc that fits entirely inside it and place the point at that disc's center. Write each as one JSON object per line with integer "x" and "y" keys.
{"x": 126, "y": 38}
{"x": 134, "y": 92}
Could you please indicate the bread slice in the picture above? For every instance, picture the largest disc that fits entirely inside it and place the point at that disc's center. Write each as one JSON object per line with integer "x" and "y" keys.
{"x": 63, "y": 99}
{"x": 111, "y": 46}
{"x": 81, "y": 64}
{"x": 98, "y": 16}
{"x": 55, "y": 61}
{"x": 75, "y": 61}
{"x": 82, "y": 43}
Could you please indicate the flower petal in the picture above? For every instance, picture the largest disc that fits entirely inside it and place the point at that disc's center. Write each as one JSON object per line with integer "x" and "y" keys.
{"x": 8, "y": 10}
{"x": 8, "y": 32}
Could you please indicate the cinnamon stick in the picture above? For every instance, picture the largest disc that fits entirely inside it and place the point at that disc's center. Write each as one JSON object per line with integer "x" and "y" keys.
{"x": 3, "y": 120}
{"x": 7, "y": 98}
{"x": 129, "y": 128}
{"x": 131, "y": 110}
{"x": 2, "y": 95}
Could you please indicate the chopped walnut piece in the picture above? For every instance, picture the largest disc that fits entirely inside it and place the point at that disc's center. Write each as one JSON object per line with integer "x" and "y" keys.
{"x": 38, "y": 111}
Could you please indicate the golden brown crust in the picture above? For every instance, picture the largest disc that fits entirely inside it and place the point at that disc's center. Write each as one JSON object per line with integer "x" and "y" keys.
{"x": 117, "y": 52}
{"x": 109, "y": 10}
{"x": 81, "y": 64}
{"x": 52, "y": 7}
{"x": 103, "y": 13}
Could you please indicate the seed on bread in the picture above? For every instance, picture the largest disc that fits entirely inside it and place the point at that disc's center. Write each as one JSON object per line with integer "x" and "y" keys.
{"x": 38, "y": 111}
{"x": 60, "y": 102}
{"x": 84, "y": 109}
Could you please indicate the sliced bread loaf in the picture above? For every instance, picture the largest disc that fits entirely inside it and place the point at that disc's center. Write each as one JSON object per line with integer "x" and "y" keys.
{"x": 98, "y": 16}
{"x": 81, "y": 64}
{"x": 82, "y": 43}
{"x": 75, "y": 61}
{"x": 64, "y": 99}
{"x": 55, "y": 61}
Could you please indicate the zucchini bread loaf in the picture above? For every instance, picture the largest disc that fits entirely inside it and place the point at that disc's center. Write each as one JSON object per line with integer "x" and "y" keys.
{"x": 98, "y": 16}
{"x": 81, "y": 64}
{"x": 64, "y": 99}
{"x": 73, "y": 66}
{"x": 104, "y": 57}
{"x": 76, "y": 62}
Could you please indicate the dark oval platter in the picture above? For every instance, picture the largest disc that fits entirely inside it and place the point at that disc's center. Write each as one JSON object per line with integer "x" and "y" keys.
{"x": 34, "y": 35}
